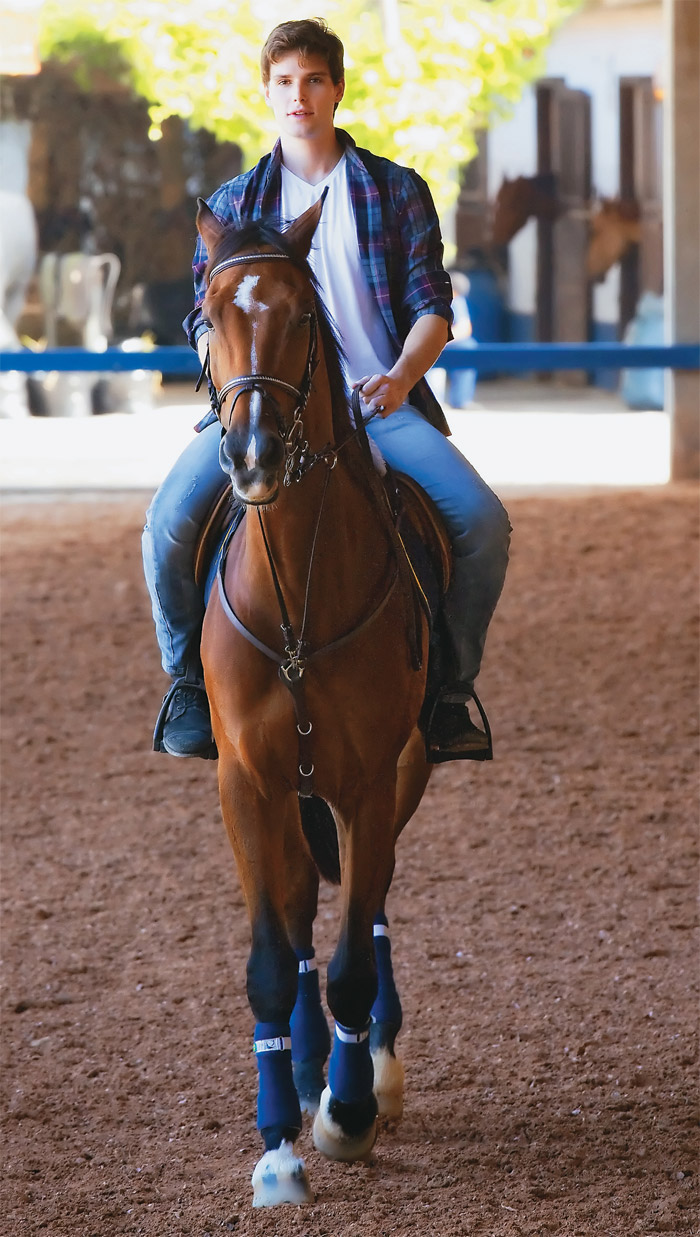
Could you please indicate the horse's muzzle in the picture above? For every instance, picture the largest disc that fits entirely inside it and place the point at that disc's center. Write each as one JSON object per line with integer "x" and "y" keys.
{"x": 254, "y": 462}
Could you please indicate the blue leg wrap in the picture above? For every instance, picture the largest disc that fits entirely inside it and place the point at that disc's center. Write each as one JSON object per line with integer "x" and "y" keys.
{"x": 387, "y": 1007}
{"x": 278, "y": 1103}
{"x": 350, "y": 1072}
{"x": 311, "y": 1038}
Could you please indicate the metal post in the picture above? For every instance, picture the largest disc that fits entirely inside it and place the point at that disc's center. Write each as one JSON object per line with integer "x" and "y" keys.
{"x": 682, "y": 225}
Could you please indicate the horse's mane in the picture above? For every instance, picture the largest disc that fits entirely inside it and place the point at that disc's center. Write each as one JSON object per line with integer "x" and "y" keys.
{"x": 262, "y": 232}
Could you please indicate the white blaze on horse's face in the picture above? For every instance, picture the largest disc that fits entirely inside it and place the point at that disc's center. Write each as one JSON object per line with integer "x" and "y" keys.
{"x": 246, "y": 300}
{"x": 251, "y": 450}
{"x": 244, "y": 297}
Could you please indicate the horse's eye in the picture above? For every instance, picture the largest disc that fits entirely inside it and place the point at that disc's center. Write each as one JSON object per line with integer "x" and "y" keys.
{"x": 305, "y": 319}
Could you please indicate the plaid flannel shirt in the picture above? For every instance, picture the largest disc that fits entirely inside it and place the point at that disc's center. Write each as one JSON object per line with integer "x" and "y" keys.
{"x": 398, "y": 234}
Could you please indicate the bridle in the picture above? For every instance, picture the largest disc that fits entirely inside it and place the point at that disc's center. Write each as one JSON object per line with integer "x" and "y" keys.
{"x": 298, "y": 461}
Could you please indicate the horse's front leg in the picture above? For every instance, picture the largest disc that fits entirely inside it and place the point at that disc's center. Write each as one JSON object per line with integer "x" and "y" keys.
{"x": 346, "y": 1123}
{"x": 257, "y": 828}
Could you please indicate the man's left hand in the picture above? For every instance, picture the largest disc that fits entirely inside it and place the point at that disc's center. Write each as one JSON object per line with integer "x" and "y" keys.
{"x": 381, "y": 393}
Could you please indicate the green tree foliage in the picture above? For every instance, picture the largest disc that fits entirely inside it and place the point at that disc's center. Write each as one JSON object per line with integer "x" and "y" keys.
{"x": 421, "y": 75}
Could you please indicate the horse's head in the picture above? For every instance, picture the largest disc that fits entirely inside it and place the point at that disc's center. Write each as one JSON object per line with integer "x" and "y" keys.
{"x": 517, "y": 200}
{"x": 260, "y": 308}
{"x": 614, "y": 228}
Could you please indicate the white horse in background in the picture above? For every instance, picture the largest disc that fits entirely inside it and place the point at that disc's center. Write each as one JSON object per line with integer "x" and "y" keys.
{"x": 18, "y": 255}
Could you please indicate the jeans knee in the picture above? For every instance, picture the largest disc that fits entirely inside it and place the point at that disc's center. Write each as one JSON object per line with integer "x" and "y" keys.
{"x": 488, "y": 532}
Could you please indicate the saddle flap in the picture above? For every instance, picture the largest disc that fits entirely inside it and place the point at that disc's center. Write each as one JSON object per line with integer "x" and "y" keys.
{"x": 219, "y": 519}
{"x": 418, "y": 510}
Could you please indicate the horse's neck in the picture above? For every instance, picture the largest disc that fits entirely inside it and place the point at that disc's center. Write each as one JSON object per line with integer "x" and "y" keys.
{"x": 334, "y": 515}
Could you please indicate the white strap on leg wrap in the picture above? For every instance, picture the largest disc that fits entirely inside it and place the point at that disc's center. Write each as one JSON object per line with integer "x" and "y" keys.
{"x": 380, "y": 929}
{"x": 306, "y": 965}
{"x": 350, "y": 1037}
{"x": 279, "y": 1044}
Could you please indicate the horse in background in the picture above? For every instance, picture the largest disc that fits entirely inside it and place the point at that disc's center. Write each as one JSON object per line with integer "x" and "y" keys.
{"x": 321, "y": 761}
{"x": 615, "y": 228}
{"x": 18, "y": 254}
{"x": 518, "y": 200}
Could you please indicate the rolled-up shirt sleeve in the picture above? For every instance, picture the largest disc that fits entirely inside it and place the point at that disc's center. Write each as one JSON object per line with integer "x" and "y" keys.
{"x": 427, "y": 288}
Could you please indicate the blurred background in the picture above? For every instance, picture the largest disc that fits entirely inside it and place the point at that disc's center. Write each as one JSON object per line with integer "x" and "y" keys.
{"x": 542, "y": 127}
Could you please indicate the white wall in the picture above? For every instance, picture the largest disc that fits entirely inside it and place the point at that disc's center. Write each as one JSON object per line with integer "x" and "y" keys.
{"x": 591, "y": 52}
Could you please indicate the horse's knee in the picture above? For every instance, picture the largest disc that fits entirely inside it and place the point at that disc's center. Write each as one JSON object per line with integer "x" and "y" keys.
{"x": 352, "y": 987}
{"x": 271, "y": 981}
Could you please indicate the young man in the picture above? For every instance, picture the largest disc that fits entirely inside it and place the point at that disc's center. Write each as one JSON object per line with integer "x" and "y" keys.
{"x": 377, "y": 255}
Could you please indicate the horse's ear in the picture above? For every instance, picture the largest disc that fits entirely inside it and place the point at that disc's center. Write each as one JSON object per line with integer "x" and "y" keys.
{"x": 209, "y": 227}
{"x": 300, "y": 234}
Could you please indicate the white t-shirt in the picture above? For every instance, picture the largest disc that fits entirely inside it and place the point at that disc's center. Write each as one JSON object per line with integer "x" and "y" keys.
{"x": 335, "y": 261}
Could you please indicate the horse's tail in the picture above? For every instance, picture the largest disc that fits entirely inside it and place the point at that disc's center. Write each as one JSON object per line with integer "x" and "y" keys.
{"x": 322, "y": 837}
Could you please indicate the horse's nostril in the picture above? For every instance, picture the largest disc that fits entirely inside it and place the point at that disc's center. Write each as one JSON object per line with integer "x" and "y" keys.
{"x": 251, "y": 454}
{"x": 270, "y": 456}
{"x": 232, "y": 452}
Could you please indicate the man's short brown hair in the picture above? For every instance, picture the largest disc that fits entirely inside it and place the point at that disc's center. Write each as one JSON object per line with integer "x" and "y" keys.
{"x": 310, "y": 37}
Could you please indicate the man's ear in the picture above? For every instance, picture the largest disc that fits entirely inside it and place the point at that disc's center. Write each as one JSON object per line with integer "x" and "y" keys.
{"x": 300, "y": 234}
{"x": 209, "y": 227}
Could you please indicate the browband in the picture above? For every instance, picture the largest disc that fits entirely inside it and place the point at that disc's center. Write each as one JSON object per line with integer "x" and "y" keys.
{"x": 246, "y": 257}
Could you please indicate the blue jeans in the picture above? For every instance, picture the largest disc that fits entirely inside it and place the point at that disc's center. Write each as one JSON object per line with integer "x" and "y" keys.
{"x": 477, "y": 523}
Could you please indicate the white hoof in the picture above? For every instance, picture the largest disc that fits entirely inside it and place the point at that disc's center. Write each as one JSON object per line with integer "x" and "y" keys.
{"x": 280, "y": 1177}
{"x": 388, "y": 1084}
{"x": 332, "y": 1141}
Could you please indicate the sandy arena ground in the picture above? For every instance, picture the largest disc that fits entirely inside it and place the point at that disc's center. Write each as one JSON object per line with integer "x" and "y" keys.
{"x": 543, "y": 911}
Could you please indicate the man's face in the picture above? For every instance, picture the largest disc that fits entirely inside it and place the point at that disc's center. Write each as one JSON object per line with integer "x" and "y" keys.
{"x": 303, "y": 96}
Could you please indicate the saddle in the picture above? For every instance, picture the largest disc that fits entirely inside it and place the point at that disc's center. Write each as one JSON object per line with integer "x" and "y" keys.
{"x": 418, "y": 524}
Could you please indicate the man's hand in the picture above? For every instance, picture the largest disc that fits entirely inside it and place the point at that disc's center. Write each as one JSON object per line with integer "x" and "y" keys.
{"x": 424, "y": 343}
{"x": 381, "y": 393}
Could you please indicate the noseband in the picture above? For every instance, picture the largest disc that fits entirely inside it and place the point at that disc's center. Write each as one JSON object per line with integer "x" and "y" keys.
{"x": 292, "y": 435}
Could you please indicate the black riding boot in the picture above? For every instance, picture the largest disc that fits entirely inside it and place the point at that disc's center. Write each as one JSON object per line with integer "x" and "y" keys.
{"x": 477, "y": 580}
{"x": 183, "y": 727}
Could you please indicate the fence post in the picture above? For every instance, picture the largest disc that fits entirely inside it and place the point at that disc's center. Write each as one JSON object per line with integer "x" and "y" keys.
{"x": 682, "y": 225}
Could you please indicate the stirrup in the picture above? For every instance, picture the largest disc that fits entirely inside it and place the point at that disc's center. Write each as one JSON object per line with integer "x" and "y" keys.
{"x": 158, "y": 745}
{"x": 435, "y": 756}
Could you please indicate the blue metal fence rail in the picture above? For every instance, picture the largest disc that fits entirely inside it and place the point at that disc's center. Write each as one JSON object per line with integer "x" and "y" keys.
{"x": 484, "y": 358}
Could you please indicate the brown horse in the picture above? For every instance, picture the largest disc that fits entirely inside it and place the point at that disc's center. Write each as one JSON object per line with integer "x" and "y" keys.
{"x": 521, "y": 199}
{"x": 615, "y": 228}
{"x": 331, "y": 705}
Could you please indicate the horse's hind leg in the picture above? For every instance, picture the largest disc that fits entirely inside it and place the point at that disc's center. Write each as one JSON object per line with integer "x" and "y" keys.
{"x": 413, "y": 774}
{"x": 386, "y": 1024}
{"x": 311, "y": 1041}
{"x": 257, "y": 830}
{"x": 346, "y": 1123}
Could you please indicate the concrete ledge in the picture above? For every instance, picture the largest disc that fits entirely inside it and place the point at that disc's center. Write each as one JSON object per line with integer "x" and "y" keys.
{"x": 509, "y": 448}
